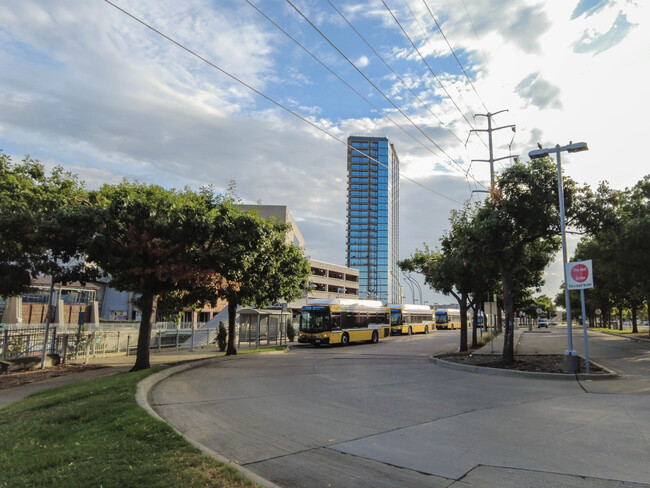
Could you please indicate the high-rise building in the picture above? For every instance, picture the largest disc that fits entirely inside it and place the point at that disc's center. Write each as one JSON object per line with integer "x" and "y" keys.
{"x": 373, "y": 216}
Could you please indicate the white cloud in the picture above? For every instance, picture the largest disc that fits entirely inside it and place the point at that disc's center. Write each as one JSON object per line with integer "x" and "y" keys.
{"x": 362, "y": 62}
{"x": 83, "y": 85}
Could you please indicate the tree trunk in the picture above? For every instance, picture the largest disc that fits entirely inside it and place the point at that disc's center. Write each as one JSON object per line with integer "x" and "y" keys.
{"x": 232, "y": 332}
{"x": 149, "y": 303}
{"x": 620, "y": 318}
{"x": 497, "y": 326}
{"x": 647, "y": 309}
{"x": 635, "y": 329}
{"x": 463, "y": 322}
{"x": 478, "y": 306}
{"x": 508, "y": 334}
{"x": 462, "y": 305}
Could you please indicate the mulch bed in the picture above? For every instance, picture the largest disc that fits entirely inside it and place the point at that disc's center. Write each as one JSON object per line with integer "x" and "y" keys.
{"x": 18, "y": 378}
{"x": 542, "y": 363}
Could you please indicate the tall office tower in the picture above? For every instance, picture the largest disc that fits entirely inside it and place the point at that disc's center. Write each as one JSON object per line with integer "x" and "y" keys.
{"x": 373, "y": 216}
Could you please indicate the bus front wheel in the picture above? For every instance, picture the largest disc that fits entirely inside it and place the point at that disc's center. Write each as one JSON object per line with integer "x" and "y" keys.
{"x": 375, "y": 337}
{"x": 345, "y": 340}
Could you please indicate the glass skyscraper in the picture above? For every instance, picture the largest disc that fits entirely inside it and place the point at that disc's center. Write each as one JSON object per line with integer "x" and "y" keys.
{"x": 373, "y": 216}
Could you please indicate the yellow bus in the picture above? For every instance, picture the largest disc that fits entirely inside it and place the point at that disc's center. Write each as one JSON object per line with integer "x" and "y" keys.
{"x": 449, "y": 318}
{"x": 406, "y": 318}
{"x": 341, "y": 321}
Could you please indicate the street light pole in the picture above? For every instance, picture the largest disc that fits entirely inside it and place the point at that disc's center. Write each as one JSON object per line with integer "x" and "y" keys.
{"x": 410, "y": 285}
{"x": 567, "y": 295}
{"x": 572, "y": 366}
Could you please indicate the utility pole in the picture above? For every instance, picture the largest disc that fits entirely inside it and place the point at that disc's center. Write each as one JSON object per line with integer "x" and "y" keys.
{"x": 489, "y": 130}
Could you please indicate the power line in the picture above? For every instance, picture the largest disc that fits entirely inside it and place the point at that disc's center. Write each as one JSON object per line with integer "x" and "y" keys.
{"x": 375, "y": 86}
{"x": 278, "y": 104}
{"x": 475, "y": 34}
{"x": 427, "y": 64}
{"x": 393, "y": 71}
{"x": 340, "y": 78}
{"x": 424, "y": 32}
{"x": 454, "y": 53}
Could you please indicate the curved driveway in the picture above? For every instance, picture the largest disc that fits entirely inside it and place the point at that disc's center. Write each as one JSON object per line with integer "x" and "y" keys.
{"x": 385, "y": 415}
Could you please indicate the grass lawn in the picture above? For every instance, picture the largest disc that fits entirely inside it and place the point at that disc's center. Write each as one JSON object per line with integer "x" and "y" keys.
{"x": 640, "y": 328}
{"x": 93, "y": 434}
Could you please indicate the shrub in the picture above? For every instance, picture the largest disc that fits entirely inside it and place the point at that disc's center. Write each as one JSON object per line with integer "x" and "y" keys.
{"x": 291, "y": 332}
{"x": 222, "y": 336}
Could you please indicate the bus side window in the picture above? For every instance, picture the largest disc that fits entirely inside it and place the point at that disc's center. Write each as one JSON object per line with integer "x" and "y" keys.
{"x": 336, "y": 322}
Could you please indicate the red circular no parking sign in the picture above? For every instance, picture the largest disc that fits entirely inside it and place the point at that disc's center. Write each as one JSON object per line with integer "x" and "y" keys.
{"x": 580, "y": 273}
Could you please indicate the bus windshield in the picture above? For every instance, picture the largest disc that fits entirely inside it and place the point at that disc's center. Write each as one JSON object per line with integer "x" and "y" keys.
{"x": 441, "y": 318}
{"x": 396, "y": 317}
{"x": 315, "y": 319}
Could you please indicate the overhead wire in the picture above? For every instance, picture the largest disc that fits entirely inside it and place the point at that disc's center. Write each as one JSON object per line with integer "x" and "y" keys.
{"x": 375, "y": 86}
{"x": 424, "y": 32}
{"x": 339, "y": 77}
{"x": 263, "y": 95}
{"x": 455, "y": 56}
{"x": 427, "y": 64}
{"x": 475, "y": 34}
{"x": 394, "y": 72}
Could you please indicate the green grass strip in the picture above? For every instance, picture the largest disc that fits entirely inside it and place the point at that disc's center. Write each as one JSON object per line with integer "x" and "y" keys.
{"x": 93, "y": 434}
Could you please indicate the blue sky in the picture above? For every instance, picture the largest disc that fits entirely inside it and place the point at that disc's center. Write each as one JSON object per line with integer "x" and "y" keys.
{"x": 86, "y": 86}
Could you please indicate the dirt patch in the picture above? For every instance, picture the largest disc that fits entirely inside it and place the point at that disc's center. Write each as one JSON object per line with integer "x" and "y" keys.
{"x": 542, "y": 363}
{"x": 18, "y": 378}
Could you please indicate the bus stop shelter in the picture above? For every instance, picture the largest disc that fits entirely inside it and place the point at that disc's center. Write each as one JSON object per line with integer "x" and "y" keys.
{"x": 262, "y": 327}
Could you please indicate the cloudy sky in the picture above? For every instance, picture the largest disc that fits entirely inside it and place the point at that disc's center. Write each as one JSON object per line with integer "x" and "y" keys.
{"x": 265, "y": 92}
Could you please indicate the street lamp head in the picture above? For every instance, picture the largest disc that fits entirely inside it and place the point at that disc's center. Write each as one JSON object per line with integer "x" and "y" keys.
{"x": 571, "y": 147}
{"x": 577, "y": 147}
{"x": 539, "y": 153}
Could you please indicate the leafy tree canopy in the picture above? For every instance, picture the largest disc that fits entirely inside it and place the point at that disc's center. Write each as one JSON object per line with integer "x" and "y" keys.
{"x": 38, "y": 232}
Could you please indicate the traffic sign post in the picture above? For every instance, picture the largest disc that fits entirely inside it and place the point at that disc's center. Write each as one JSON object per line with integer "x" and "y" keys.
{"x": 580, "y": 276}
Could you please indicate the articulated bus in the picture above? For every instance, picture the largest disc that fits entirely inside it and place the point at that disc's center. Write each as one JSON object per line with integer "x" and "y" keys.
{"x": 341, "y": 321}
{"x": 410, "y": 319}
{"x": 449, "y": 319}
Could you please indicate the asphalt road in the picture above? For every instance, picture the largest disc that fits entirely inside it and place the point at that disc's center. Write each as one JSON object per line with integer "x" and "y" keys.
{"x": 384, "y": 415}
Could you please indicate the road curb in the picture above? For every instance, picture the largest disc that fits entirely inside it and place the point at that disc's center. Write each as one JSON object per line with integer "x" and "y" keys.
{"x": 622, "y": 336}
{"x": 142, "y": 395}
{"x": 470, "y": 368}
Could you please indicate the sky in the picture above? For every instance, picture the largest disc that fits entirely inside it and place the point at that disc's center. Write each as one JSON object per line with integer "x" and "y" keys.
{"x": 265, "y": 92}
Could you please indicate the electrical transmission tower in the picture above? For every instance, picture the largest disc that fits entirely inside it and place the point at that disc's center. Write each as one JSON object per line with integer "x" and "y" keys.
{"x": 489, "y": 130}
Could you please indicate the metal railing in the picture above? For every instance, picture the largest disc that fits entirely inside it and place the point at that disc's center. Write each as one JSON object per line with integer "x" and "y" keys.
{"x": 74, "y": 344}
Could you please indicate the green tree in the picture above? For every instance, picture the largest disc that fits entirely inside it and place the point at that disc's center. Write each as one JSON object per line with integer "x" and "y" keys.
{"x": 153, "y": 242}
{"x": 520, "y": 224}
{"x": 38, "y": 232}
{"x": 634, "y": 238}
{"x": 616, "y": 225}
{"x": 259, "y": 267}
{"x": 457, "y": 268}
